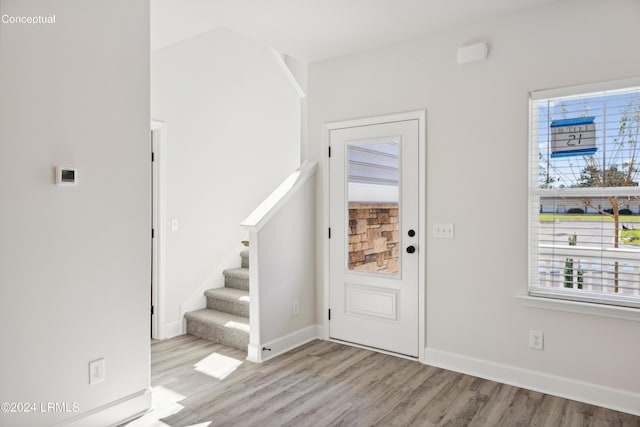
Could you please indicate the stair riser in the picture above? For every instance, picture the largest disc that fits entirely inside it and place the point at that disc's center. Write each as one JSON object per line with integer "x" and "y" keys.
{"x": 236, "y": 282}
{"x": 228, "y": 307}
{"x": 245, "y": 260}
{"x": 232, "y": 338}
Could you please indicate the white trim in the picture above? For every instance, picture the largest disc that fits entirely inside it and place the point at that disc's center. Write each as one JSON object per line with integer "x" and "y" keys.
{"x": 568, "y": 388}
{"x": 114, "y": 413}
{"x": 284, "y": 344}
{"x": 369, "y": 121}
{"x": 533, "y": 200}
{"x": 624, "y": 313}
{"x": 158, "y": 327}
{"x": 585, "y": 89}
{"x": 326, "y": 173}
{"x": 421, "y": 116}
{"x": 173, "y": 329}
{"x": 422, "y": 237}
{"x": 255, "y": 330}
{"x": 279, "y": 197}
{"x": 287, "y": 72}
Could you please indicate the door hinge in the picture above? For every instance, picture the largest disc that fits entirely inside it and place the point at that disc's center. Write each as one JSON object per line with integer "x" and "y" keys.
{"x": 329, "y": 314}
{"x": 153, "y": 156}
{"x": 152, "y": 310}
{"x": 329, "y": 232}
{"x": 153, "y": 233}
{"x": 329, "y": 151}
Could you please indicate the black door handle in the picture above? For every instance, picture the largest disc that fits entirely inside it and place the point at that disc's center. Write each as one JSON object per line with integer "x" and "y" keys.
{"x": 411, "y": 249}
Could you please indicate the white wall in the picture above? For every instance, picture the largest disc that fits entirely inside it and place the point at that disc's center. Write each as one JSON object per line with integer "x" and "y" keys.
{"x": 477, "y": 126}
{"x": 233, "y": 134}
{"x": 287, "y": 254}
{"x": 283, "y": 267}
{"x": 74, "y": 261}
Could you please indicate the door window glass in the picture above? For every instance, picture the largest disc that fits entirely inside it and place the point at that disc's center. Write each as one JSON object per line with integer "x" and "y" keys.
{"x": 373, "y": 189}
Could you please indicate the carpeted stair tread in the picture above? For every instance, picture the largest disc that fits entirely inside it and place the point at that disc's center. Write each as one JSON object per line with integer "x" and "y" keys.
{"x": 237, "y": 278}
{"x": 206, "y": 315}
{"x": 237, "y": 272}
{"x": 229, "y": 300}
{"x": 225, "y": 328}
{"x": 239, "y": 296}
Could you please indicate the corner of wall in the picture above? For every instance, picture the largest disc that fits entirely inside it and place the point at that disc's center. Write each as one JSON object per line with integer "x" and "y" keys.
{"x": 286, "y": 343}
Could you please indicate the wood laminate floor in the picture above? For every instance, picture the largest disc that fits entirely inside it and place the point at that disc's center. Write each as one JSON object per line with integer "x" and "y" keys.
{"x": 203, "y": 384}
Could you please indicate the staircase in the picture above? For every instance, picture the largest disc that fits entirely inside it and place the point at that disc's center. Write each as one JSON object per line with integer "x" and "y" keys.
{"x": 226, "y": 318}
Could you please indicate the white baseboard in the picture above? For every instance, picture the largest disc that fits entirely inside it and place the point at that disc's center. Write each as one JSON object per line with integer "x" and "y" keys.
{"x": 173, "y": 329}
{"x": 283, "y": 344}
{"x": 616, "y": 399}
{"x": 114, "y": 413}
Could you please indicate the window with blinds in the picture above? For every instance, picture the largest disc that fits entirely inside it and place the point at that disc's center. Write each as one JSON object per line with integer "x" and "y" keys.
{"x": 584, "y": 194}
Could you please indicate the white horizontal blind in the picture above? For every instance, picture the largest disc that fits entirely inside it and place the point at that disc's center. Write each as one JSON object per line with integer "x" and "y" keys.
{"x": 584, "y": 196}
{"x": 374, "y": 163}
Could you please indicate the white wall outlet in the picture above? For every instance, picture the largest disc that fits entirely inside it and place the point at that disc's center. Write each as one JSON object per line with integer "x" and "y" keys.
{"x": 295, "y": 308}
{"x": 443, "y": 231}
{"x": 536, "y": 340}
{"x": 96, "y": 371}
{"x": 174, "y": 224}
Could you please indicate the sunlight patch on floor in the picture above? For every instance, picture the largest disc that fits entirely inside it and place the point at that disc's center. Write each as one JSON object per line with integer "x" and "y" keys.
{"x": 217, "y": 366}
{"x": 164, "y": 402}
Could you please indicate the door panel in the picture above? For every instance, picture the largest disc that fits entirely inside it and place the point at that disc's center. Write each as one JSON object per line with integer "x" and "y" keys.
{"x": 375, "y": 303}
{"x": 373, "y": 182}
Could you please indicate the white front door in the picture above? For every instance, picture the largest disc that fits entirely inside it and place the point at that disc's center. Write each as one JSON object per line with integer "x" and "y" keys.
{"x": 374, "y": 226}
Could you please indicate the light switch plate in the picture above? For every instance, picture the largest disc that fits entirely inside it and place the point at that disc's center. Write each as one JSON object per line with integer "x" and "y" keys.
{"x": 443, "y": 231}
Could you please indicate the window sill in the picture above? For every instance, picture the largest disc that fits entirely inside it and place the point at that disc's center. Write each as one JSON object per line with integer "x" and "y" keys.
{"x": 592, "y": 309}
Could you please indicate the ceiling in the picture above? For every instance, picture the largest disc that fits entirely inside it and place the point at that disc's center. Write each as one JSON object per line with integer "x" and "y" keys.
{"x": 313, "y": 30}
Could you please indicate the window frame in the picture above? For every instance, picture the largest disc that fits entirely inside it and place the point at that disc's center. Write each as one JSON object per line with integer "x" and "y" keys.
{"x": 572, "y": 300}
